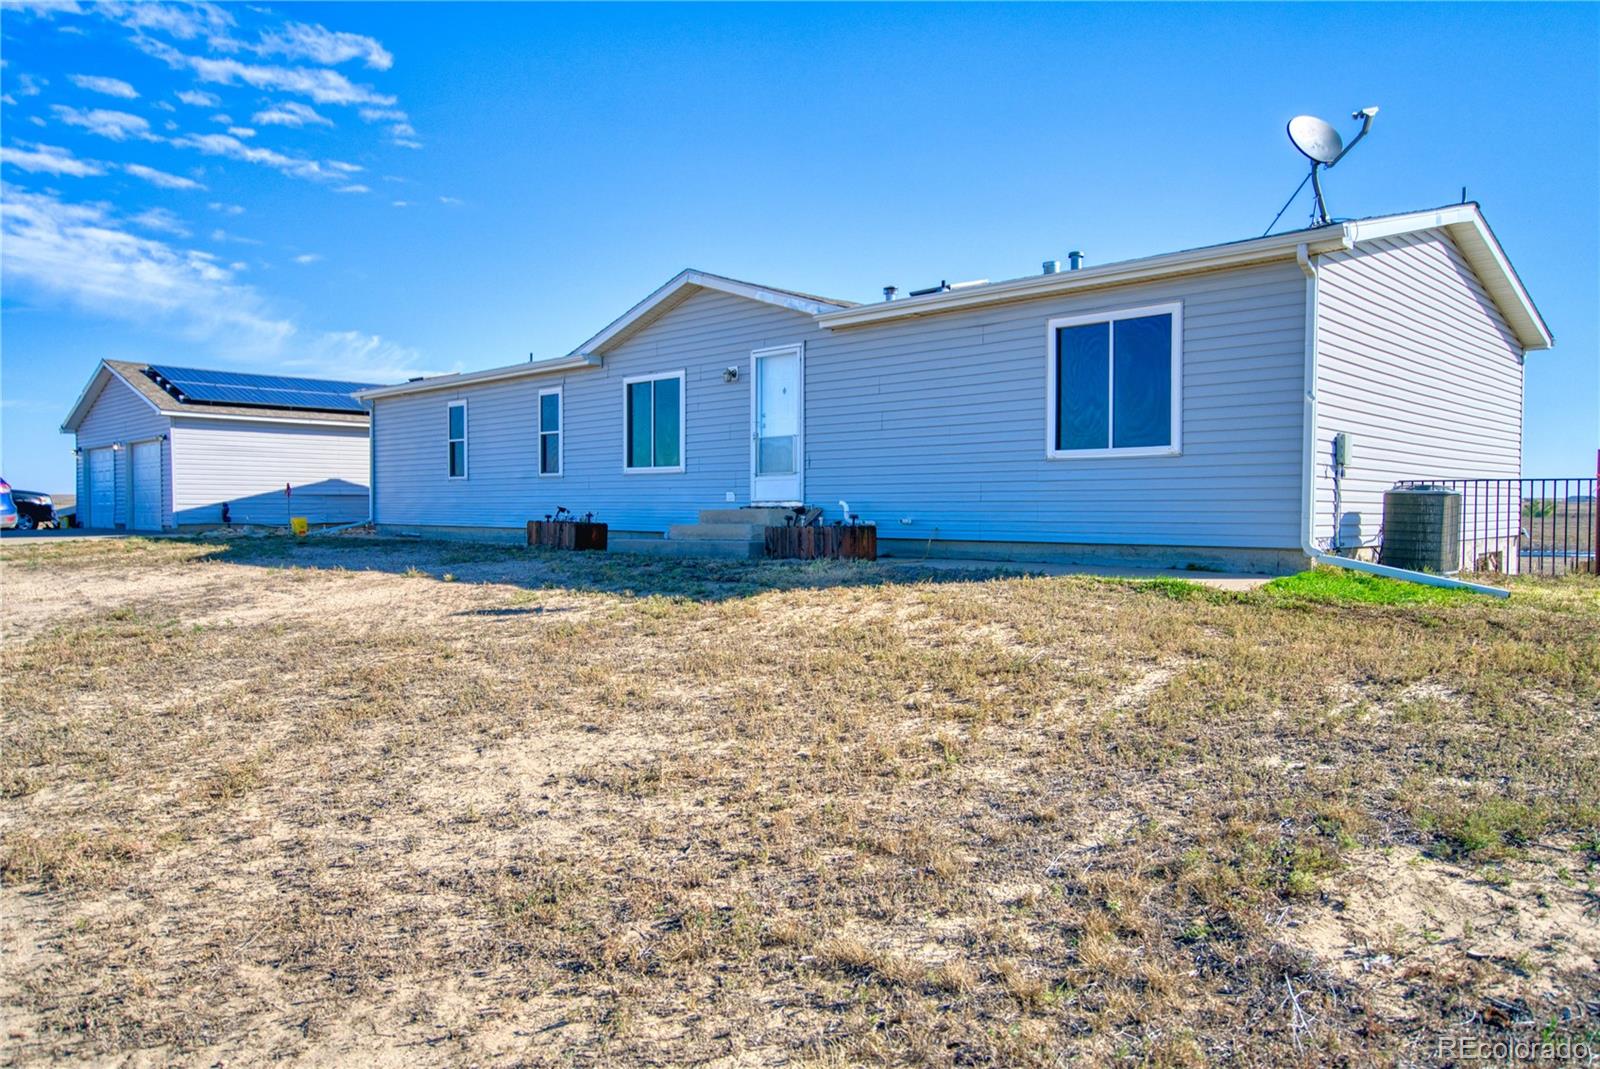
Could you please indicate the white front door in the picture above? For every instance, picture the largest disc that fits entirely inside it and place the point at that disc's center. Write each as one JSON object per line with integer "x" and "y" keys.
{"x": 146, "y": 486}
{"x": 102, "y": 488}
{"x": 777, "y": 433}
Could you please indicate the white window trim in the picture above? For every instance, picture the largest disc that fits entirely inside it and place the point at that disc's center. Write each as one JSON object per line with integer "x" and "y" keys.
{"x": 466, "y": 455}
{"x": 560, "y": 432}
{"x": 683, "y": 421}
{"x": 1175, "y": 310}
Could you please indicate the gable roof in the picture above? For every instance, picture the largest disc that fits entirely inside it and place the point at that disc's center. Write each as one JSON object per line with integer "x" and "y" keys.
{"x": 679, "y": 288}
{"x": 132, "y": 375}
{"x": 1463, "y": 222}
{"x": 684, "y": 285}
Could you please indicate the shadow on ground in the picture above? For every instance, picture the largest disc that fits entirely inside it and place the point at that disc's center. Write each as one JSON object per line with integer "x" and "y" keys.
{"x": 624, "y": 574}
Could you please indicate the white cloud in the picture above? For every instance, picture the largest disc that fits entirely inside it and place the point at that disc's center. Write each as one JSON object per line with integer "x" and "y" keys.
{"x": 223, "y": 118}
{"x": 241, "y": 131}
{"x": 85, "y": 257}
{"x": 449, "y": 200}
{"x": 7, "y": 98}
{"x": 164, "y": 106}
{"x": 111, "y": 87}
{"x": 298, "y": 40}
{"x": 307, "y": 258}
{"x": 117, "y": 125}
{"x": 29, "y": 85}
{"x": 231, "y": 147}
{"x": 46, "y": 8}
{"x": 289, "y": 113}
{"x": 401, "y": 131}
{"x": 184, "y": 21}
{"x": 48, "y": 159}
{"x": 320, "y": 85}
{"x": 161, "y": 179}
{"x": 355, "y": 188}
{"x": 160, "y": 220}
{"x": 199, "y": 98}
{"x": 82, "y": 255}
{"x": 222, "y": 237}
{"x": 401, "y": 203}
{"x": 225, "y": 209}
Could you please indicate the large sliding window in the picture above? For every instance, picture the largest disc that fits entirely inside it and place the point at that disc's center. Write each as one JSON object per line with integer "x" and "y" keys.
{"x": 1115, "y": 383}
{"x": 653, "y": 411}
{"x": 550, "y": 431}
{"x": 456, "y": 439}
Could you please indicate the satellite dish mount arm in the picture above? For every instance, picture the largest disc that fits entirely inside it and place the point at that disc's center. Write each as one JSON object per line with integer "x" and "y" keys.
{"x": 1319, "y": 206}
{"x": 1366, "y": 116}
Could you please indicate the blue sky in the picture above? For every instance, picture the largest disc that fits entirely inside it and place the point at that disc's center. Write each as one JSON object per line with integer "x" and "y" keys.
{"x": 382, "y": 190}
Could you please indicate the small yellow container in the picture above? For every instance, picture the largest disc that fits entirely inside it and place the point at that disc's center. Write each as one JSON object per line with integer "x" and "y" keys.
{"x": 299, "y": 525}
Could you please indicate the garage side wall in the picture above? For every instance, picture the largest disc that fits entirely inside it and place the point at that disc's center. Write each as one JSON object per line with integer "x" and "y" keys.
{"x": 119, "y": 416}
{"x": 1420, "y": 370}
{"x": 246, "y": 465}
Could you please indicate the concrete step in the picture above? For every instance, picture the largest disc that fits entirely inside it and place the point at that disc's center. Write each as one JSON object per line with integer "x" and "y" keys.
{"x": 716, "y": 531}
{"x": 699, "y": 548}
{"x": 761, "y": 517}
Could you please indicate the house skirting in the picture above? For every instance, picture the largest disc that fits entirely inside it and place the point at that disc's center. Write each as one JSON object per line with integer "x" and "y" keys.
{"x": 1197, "y": 558}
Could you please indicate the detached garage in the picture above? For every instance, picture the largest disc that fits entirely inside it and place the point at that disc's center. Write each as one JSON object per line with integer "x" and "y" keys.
{"x": 162, "y": 448}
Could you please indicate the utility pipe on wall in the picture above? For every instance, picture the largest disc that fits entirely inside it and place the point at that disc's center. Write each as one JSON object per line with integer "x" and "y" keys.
{"x": 1308, "y": 489}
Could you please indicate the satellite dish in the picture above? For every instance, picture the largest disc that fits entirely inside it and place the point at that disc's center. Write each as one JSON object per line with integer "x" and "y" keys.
{"x": 1320, "y": 143}
{"x": 1317, "y": 140}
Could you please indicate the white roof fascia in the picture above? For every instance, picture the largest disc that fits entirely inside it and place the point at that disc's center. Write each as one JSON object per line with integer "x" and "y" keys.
{"x": 303, "y": 421}
{"x": 1464, "y": 223}
{"x": 683, "y": 279}
{"x": 1258, "y": 250}
{"x": 473, "y": 378}
{"x": 91, "y": 394}
{"x": 1470, "y": 231}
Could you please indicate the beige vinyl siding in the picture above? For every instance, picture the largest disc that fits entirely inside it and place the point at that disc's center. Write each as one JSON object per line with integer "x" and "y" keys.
{"x": 1419, "y": 368}
{"x": 247, "y": 464}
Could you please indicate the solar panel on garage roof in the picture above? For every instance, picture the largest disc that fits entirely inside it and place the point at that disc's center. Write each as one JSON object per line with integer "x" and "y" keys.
{"x": 200, "y": 386}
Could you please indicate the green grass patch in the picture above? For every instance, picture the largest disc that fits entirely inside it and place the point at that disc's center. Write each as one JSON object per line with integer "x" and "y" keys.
{"x": 1489, "y": 829}
{"x": 1340, "y": 585}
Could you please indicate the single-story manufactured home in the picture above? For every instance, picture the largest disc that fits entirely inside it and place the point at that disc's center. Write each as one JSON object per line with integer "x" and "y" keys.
{"x": 1242, "y": 405}
{"x": 162, "y": 448}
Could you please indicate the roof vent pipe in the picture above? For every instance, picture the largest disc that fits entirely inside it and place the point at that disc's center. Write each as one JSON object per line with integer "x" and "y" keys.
{"x": 889, "y": 292}
{"x": 1052, "y": 266}
{"x": 1075, "y": 259}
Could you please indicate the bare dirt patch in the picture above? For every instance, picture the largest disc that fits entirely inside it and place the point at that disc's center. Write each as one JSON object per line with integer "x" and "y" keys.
{"x": 403, "y": 802}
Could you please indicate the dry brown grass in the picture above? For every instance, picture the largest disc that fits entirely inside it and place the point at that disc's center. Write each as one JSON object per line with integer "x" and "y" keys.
{"x": 406, "y": 803}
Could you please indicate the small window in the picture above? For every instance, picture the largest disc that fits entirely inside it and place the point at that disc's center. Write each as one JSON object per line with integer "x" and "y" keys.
{"x": 456, "y": 439}
{"x": 1115, "y": 383}
{"x": 550, "y": 431}
{"x": 653, "y": 423}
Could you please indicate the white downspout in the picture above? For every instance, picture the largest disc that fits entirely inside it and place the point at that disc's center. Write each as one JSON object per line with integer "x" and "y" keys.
{"x": 1308, "y": 459}
{"x": 372, "y": 464}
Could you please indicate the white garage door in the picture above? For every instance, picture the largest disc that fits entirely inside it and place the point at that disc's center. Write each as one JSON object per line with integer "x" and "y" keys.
{"x": 146, "y": 486}
{"x": 102, "y": 488}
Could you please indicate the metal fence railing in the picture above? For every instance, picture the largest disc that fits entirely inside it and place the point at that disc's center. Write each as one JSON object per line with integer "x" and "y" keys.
{"x": 1527, "y": 526}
